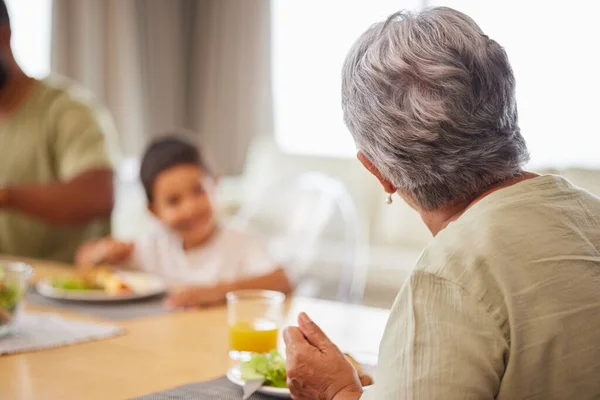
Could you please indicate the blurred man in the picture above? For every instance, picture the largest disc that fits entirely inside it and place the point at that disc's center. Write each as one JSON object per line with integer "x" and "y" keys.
{"x": 56, "y": 181}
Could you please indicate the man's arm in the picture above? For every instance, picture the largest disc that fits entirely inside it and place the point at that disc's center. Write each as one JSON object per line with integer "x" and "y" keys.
{"x": 80, "y": 131}
{"x": 76, "y": 201}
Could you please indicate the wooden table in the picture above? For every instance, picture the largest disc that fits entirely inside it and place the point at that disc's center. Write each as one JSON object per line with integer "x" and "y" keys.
{"x": 161, "y": 352}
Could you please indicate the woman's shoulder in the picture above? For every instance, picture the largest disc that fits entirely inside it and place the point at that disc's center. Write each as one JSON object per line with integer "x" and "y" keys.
{"x": 507, "y": 231}
{"x": 465, "y": 257}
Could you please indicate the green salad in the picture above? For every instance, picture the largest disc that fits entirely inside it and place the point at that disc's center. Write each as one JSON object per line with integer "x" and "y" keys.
{"x": 270, "y": 367}
{"x": 9, "y": 298}
{"x": 72, "y": 283}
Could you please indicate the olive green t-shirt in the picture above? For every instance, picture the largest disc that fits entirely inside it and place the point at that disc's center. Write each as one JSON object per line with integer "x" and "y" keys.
{"x": 57, "y": 134}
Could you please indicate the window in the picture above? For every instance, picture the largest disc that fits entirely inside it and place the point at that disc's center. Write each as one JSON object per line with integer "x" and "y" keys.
{"x": 310, "y": 42}
{"x": 553, "y": 51}
{"x": 555, "y": 56}
{"x": 31, "y": 22}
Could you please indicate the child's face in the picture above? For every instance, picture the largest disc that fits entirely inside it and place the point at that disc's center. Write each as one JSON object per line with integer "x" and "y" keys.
{"x": 181, "y": 199}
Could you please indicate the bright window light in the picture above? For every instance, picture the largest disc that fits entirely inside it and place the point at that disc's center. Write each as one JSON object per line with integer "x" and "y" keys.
{"x": 310, "y": 42}
{"x": 31, "y": 22}
{"x": 555, "y": 57}
{"x": 553, "y": 51}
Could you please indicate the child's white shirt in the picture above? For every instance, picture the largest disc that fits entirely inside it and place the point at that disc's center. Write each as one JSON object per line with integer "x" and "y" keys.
{"x": 229, "y": 255}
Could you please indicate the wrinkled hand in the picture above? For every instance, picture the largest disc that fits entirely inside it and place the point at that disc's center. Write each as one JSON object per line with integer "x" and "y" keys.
{"x": 196, "y": 297}
{"x": 316, "y": 368}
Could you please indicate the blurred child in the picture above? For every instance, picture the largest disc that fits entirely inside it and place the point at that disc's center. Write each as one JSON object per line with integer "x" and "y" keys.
{"x": 187, "y": 244}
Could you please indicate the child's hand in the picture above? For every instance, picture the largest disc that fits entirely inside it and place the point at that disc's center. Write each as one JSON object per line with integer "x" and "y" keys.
{"x": 111, "y": 251}
{"x": 104, "y": 251}
{"x": 196, "y": 297}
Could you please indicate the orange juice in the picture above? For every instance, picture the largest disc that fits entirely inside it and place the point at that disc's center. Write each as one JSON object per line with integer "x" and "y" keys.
{"x": 258, "y": 336}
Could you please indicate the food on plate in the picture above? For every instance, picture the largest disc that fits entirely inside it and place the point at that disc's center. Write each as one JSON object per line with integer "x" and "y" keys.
{"x": 72, "y": 283}
{"x": 271, "y": 368}
{"x": 9, "y": 299}
{"x": 94, "y": 279}
{"x": 108, "y": 280}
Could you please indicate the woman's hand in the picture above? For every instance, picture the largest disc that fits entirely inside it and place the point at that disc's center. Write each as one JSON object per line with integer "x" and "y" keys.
{"x": 196, "y": 297}
{"x": 316, "y": 368}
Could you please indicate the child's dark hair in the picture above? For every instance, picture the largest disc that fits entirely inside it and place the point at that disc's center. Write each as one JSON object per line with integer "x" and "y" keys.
{"x": 167, "y": 152}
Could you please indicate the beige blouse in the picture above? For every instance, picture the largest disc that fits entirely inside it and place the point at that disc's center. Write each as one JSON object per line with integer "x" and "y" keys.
{"x": 503, "y": 304}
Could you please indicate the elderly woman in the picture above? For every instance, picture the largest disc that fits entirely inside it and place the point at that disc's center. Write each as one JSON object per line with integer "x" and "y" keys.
{"x": 504, "y": 302}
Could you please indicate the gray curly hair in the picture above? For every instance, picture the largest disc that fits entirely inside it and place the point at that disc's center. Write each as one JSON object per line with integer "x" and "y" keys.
{"x": 430, "y": 101}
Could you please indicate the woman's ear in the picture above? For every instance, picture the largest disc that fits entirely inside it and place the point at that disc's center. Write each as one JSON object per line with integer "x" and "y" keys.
{"x": 387, "y": 185}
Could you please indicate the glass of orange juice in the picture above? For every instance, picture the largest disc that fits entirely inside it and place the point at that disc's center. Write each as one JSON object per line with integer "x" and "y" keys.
{"x": 254, "y": 317}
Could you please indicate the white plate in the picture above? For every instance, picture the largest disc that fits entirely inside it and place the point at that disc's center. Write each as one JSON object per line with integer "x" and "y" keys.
{"x": 235, "y": 376}
{"x": 144, "y": 285}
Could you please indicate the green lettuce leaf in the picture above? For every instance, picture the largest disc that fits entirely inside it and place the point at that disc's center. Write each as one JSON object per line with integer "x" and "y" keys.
{"x": 71, "y": 284}
{"x": 270, "y": 367}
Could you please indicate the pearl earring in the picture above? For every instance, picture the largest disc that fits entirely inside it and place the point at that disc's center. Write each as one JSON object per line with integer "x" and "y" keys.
{"x": 389, "y": 199}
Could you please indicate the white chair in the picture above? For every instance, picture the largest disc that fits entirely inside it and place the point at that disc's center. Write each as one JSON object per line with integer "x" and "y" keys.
{"x": 312, "y": 227}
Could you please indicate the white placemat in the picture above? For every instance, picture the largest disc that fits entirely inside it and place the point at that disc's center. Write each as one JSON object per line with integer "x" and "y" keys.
{"x": 37, "y": 331}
